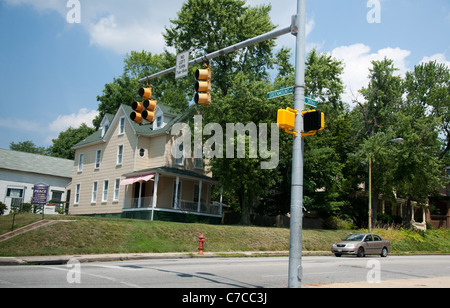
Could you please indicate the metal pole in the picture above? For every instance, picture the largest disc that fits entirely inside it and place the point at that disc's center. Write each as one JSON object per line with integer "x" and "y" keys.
{"x": 295, "y": 247}
{"x": 250, "y": 42}
{"x": 370, "y": 194}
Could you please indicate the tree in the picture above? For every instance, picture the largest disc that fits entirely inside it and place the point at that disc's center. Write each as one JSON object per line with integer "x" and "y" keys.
{"x": 62, "y": 146}
{"x": 205, "y": 26}
{"x": 428, "y": 95}
{"x": 27, "y": 147}
{"x": 239, "y": 81}
{"x": 383, "y": 98}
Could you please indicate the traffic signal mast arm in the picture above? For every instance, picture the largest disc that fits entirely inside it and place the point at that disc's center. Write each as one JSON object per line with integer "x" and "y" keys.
{"x": 250, "y": 42}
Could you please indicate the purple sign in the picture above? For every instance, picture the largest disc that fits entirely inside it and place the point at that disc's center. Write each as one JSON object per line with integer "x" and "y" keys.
{"x": 40, "y": 194}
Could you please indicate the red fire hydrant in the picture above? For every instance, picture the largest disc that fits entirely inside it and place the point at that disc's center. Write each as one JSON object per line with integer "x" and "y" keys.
{"x": 201, "y": 241}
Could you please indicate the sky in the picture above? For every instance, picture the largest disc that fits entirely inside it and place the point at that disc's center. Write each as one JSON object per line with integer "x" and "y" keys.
{"x": 57, "y": 55}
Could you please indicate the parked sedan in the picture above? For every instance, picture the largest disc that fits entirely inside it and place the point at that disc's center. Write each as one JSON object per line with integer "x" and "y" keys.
{"x": 362, "y": 244}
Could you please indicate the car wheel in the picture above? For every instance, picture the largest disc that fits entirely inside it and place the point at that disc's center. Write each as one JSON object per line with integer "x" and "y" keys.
{"x": 384, "y": 252}
{"x": 360, "y": 252}
{"x": 338, "y": 255}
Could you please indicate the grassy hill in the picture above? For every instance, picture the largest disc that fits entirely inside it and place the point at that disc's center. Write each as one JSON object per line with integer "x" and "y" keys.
{"x": 107, "y": 236}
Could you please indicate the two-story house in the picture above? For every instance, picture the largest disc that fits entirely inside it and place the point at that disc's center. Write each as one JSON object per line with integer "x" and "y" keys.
{"x": 127, "y": 170}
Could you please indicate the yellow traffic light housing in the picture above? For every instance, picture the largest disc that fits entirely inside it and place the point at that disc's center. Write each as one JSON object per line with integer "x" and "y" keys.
{"x": 286, "y": 120}
{"x": 313, "y": 122}
{"x": 203, "y": 86}
{"x": 150, "y": 112}
{"x": 145, "y": 93}
{"x": 145, "y": 110}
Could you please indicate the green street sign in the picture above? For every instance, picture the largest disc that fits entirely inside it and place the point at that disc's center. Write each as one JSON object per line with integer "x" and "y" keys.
{"x": 281, "y": 92}
{"x": 310, "y": 101}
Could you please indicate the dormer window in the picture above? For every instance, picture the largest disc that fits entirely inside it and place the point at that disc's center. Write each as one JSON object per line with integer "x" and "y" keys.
{"x": 159, "y": 122}
{"x": 104, "y": 126}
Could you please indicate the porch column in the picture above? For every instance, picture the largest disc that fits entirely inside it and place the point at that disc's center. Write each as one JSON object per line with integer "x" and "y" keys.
{"x": 221, "y": 199}
{"x": 175, "y": 204}
{"x": 140, "y": 195}
{"x": 155, "y": 194}
{"x": 199, "y": 205}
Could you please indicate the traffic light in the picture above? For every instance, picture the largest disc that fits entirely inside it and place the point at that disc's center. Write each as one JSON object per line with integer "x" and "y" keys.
{"x": 203, "y": 86}
{"x": 150, "y": 112}
{"x": 145, "y": 110}
{"x": 286, "y": 120}
{"x": 313, "y": 122}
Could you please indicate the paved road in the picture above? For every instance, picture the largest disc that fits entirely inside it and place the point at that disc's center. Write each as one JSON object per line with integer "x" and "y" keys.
{"x": 224, "y": 272}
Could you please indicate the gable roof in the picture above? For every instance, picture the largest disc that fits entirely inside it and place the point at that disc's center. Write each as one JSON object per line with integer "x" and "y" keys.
{"x": 141, "y": 130}
{"x": 34, "y": 163}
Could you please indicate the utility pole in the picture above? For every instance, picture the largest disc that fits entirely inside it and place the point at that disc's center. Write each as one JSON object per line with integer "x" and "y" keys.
{"x": 296, "y": 224}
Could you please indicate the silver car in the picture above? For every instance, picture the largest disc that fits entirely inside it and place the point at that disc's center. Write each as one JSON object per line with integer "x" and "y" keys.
{"x": 362, "y": 244}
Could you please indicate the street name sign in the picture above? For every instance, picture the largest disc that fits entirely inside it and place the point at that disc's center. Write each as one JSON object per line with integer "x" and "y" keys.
{"x": 310, "y": 101}
{"x": 280, "y": 93}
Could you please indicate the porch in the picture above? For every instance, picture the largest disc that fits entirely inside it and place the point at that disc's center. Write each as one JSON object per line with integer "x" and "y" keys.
{"x": 168, "y": 194}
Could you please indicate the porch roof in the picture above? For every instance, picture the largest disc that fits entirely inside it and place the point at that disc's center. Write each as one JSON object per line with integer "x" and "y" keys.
{"x": 172, "y": 171}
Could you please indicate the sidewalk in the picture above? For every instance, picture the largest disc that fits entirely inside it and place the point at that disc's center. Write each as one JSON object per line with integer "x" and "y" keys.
{"x": 437, "y": 282}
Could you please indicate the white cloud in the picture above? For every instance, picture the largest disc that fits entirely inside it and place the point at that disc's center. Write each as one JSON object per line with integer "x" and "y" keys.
{"x": 439, "y": 58}
{"x": 63, "y": 122}
{"x": 139, "y": 24}
{"x": 108, "y": 34}
{"x": 358, "y": 59}
{"x": 116, "y": 25}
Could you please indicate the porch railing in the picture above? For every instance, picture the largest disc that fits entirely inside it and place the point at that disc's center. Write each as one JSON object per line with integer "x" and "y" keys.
{"x": 183, "y": 205}
{"x": 133, "y": 203}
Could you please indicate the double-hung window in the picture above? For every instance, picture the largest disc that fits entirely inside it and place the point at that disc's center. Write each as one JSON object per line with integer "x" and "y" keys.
{"x": 105, "y": 191}
{"x": 77, "y": 194}
{"x": 119, "y": 155}
{"x": 94, "y": 192}
{"x": 80, "y": 162}
{"x": 98, "y": 159}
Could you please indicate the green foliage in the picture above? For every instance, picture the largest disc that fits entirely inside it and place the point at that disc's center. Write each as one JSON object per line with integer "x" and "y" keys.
{"x": 2, "y": 208}
{"x": 62, "y": 146}
{"x": 27, "y": 147}
{"x": 415, "y": 108}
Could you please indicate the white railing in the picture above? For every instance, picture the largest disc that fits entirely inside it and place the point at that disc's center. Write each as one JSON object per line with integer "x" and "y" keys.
{"x": 183, "y": 205}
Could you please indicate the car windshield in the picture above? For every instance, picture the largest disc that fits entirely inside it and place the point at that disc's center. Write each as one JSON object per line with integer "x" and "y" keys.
{"x": 354, "y": 237}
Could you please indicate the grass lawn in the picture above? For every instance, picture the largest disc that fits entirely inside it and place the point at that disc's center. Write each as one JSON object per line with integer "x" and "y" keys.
{"x": 107, "y": 236}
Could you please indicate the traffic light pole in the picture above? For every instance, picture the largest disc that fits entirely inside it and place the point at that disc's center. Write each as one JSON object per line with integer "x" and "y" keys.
{"x": 296, "y": 222}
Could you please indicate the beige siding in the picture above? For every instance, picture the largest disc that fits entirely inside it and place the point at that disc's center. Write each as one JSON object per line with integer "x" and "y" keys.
{"x": 109, "y": 170}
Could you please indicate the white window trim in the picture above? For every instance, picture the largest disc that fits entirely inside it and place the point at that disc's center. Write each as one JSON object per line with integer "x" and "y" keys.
{"x": 77, "y": 194}
{"x": 80, "y": 162}
{"x": 122, "y": 127}
{"x": 116, "y": 190}
{"x": 94, "y": 192}
{"x": 119, "y": 155}
{"x": 98, "y": 160}
{"x": 105, "y": 190}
